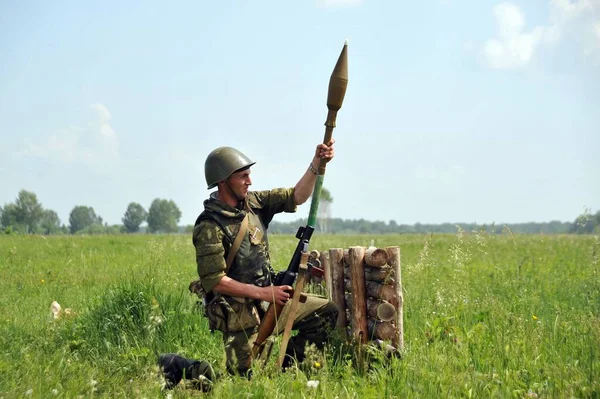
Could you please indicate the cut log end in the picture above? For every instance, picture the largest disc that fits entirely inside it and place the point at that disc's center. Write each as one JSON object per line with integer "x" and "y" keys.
{"x": 376, "y": 257}
{"x": 386, "y": 311}
{"x": 381, "y": 330}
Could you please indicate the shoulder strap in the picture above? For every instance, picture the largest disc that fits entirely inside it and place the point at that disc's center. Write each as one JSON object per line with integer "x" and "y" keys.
{"x": 236, "y": 243}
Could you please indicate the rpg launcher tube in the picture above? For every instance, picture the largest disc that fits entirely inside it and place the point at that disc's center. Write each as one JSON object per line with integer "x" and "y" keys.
{"x": 338, "y": 82}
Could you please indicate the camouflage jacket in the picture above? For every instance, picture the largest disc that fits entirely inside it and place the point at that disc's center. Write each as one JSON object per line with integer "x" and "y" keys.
{"x": 216, "y": 229}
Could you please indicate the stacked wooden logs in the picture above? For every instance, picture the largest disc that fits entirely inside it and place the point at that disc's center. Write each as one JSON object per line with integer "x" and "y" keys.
{"x": 317, "y": 282}
{"x": 367, "y": 284}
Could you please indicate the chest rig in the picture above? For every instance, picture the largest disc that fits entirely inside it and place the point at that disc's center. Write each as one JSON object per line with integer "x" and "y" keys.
{"x": 251, "y": 264}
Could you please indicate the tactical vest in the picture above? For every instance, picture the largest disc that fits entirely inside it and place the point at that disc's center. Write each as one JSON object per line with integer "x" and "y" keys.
{"x": 252, "y": 264}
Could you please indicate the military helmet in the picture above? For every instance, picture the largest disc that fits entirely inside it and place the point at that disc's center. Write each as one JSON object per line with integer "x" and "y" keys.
{"x": 222, "y": 163}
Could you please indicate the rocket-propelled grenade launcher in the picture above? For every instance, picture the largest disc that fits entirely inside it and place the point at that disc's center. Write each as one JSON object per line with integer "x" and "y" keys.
{"x": 335, "y": 97}
{"x": 338, "y": 83}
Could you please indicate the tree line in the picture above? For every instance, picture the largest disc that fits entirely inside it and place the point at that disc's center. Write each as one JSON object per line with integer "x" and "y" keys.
{"x": 26, "y": 215}
{"x": 362, "y": 226}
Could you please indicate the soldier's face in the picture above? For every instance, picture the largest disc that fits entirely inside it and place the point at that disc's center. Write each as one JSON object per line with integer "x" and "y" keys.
{"x": 239, "y": 183}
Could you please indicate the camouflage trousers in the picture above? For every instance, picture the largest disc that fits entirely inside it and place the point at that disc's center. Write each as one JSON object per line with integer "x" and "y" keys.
{"x": 314, "y": 320}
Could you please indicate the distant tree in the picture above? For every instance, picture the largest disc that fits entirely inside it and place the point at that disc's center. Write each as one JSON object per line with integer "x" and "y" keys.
{"x": 324, "y": 211}
{"x": 29, "y": 210}
{"x": 134, "y": 216}
{"x": 50, "y": 223}
{"x": 113, "y": 230}
{"x": 361, "y": 226}
{"x": 24, "y": 214}
{"x": 96, "y": 229}
{"x": 82, "y": 217}
{"x": 163, "y": 216}
{"x": 586, "y": 223}
{"x": 9, "y": 217}
{"x": 379, "y": 227}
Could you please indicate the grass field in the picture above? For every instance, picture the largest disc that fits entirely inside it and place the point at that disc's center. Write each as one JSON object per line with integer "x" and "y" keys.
{"x": 484, "y": 316}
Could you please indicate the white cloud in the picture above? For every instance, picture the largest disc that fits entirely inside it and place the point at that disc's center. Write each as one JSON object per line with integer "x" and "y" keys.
{"x": 102, "y": 112}
{"x": 510, "y": 19}
{"x": 108, "y": 138}
{"x": 337, "y": 3}
{"x": 592, "y": 45}
{"x": 515, "y": 46}
{"x": 96, "y": 145}
{"x": 564, "y": 11}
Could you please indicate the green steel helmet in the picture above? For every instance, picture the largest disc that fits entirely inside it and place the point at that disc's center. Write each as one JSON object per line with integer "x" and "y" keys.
{"x": 222, "y": 163}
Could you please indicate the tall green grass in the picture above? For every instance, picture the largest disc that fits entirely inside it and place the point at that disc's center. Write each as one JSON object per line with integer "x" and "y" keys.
{"x": 484, "y": 316}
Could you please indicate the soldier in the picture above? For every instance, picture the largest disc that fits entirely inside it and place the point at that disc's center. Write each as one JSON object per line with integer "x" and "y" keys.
{"x": 236, "y": 277}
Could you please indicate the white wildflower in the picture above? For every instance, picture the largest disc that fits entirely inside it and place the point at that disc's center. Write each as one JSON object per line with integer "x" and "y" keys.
{"x": 55, "y": 308}
{"x": 58, "y": 312}
{"x": 29, "y": 392}
{"x": 312, "y": 383}
{"x": 54, "y": 392}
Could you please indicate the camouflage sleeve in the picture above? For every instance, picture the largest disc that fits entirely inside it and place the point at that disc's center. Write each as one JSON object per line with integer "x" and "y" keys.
{"x": 285, "y": 198}
{"x": 208, "y": 240}
{"x": 272, "y": 202}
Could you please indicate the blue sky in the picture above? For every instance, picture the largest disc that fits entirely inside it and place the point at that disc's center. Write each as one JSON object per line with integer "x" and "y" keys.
{"x": 456, "y": 111}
